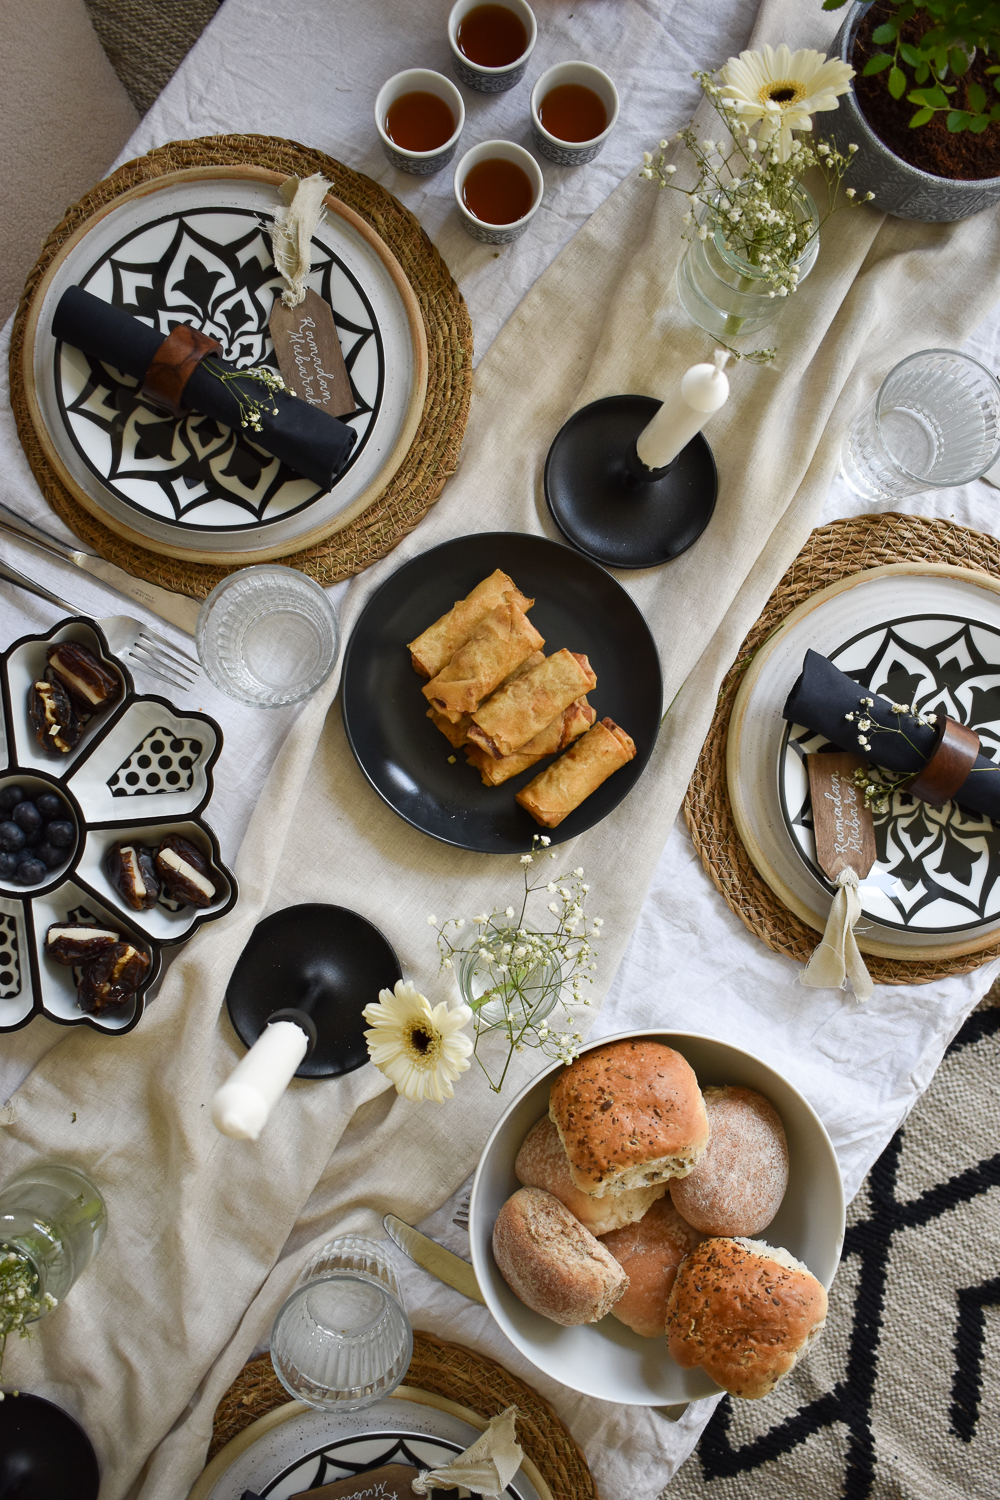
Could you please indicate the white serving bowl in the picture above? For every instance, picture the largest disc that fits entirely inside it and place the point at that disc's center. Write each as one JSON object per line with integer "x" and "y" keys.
{"x": 606, "y": 1359}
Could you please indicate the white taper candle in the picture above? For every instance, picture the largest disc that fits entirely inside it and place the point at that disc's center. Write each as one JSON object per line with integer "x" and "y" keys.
{"x": 242, "y": 1105}
{"x": 684, "y": 413}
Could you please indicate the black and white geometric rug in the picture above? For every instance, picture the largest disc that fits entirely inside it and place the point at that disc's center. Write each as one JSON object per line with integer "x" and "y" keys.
{"x": 900, "y": 1399}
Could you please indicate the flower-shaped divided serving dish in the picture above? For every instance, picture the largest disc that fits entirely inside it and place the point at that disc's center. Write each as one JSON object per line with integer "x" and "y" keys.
{"x": 141, "y": 770}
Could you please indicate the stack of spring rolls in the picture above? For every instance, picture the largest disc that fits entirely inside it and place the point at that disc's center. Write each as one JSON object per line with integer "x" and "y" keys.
{"x": 492, "y": 691}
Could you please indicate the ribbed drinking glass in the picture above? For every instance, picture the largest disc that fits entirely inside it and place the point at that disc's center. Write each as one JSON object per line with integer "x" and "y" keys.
{"x": 342, "y": 1340}
{"x": 933, "y": 423}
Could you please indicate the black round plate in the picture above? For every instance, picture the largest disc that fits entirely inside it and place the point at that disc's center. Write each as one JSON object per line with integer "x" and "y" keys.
{"x": 596, "y": 501}
{"x": 44, "y": 1453}
{"x": 328, "y": 952}
{"x": 578, "y": 605}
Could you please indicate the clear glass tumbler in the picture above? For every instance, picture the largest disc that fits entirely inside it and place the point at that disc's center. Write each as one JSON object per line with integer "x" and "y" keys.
{"x": 524, "y": 992}
{"x": 933, "y": 423}
{"x": 55, "y": 1219}
{"x": 342, "y": 1340}
{"x": 267, "y": 636}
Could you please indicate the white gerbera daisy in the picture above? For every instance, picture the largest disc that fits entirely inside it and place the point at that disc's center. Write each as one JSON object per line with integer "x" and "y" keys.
{"x": 418, "y": 1047}
{"x": 782, "y": 89}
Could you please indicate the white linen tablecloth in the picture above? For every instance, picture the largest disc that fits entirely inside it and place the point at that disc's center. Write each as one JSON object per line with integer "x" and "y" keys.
{"x": 690, "y": 962}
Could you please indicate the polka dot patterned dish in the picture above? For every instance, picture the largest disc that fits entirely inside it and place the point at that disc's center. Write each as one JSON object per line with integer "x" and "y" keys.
{"x": 140, "y": 771}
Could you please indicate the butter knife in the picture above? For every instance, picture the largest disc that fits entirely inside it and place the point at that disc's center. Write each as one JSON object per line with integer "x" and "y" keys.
{"x": 442, "y": 1263}
{"x": 177, "y": 608}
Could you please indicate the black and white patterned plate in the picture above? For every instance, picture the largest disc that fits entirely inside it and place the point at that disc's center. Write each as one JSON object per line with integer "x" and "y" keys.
{"x": 198, "y": 252}
{"x": 937, "y": 869}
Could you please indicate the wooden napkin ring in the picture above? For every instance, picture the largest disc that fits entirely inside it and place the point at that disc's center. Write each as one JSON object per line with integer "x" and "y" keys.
{"x": 954, "y": 753}
{"x": 172, "y": 366}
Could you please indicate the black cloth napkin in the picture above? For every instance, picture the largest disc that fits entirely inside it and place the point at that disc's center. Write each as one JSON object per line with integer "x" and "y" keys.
{"x": 823, "y": 696}
{"x": 308, "y": 440}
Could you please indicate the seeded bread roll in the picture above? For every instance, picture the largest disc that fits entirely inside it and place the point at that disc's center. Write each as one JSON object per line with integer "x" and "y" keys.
{"x": 746, "y": 1312}
{"x": 552, "y": 1263}
{"x": 629, "y": 1115}
{"x": 737, "y": 1187}
{"x": 649, "y": 1252}
{"x": 542, "y": 1162}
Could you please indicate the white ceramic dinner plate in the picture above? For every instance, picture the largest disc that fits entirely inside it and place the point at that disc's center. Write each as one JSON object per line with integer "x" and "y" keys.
{"x": 193, "y": 247}
{"x": 919, "y": 631}
{"x": 606, "y": 1359}
{"x": 296, "y": 1448}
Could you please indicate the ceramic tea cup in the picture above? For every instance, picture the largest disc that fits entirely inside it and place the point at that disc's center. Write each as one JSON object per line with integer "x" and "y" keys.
{"x": 418, "y": 81}
{"x": 489, "y": 35}
{"x": 567, "y": 78}
{"x": 481, "y": 225}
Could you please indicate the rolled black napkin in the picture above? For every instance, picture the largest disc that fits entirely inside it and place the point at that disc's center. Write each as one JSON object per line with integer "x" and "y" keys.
{"x": 824, "y": 696}
{"x": 308, "y": 440}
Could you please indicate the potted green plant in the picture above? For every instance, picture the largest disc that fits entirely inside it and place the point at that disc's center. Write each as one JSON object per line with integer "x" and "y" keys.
{"x": 923, "y": 110}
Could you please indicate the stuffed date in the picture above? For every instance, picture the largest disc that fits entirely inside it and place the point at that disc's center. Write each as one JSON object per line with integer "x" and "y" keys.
{"x": 184, "y": 870}
{"x": 89, "y": 684}
{"x": 130, "y": 869}
{"x": 112, "y": 979}
{"x": 74, "y": 943}
{"x": 52, "y": 716}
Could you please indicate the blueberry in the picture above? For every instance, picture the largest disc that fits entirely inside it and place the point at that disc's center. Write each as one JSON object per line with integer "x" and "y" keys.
{"x": 11, "y": 796}
{"x": 8, "y": 864}
{"x": 30, "y": 872}
{"x": 27, "y": 816}
{"x": 50, "y": 805}
{"x": 49, "y": 856}
{"x": 62, "y": 834}
{"x": 33, "y": 839}
{"x": 11, "y": 837}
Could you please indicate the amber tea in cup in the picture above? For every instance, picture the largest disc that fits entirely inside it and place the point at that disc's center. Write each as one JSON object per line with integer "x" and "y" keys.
{"x": 492, "y": 36}
{"x": 497, "y": 191}
{"x": 419, "y": 121}
{"x": 572, "y": 112}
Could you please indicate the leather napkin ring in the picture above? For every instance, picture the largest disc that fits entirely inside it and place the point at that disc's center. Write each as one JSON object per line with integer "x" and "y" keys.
{"x": 952, "y": 757}
{"x": 172, "y": 366}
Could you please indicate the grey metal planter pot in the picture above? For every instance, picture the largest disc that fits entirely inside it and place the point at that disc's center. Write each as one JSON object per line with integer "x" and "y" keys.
{"x": 901, "y": 190}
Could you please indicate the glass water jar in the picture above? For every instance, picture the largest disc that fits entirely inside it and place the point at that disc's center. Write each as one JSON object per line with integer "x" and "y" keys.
{"x": 55, "y": 1219}
{"x": 727, "y": 295}
{"x": 525, "y": 991}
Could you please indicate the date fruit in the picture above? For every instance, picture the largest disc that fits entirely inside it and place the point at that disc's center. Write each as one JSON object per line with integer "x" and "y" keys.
{"x": 53, "y": 718}
{"x": 74, "y": 943}
{"x": 111, "y": 979}
{"x": 184, "y": 871}
{"x": 130, "y": 869}
{"x": 89, "y": 684}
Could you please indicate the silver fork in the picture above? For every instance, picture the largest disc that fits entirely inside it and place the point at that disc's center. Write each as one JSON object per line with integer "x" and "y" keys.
{"x": 126, "y": 636}
{"x": 461, "y": 1218}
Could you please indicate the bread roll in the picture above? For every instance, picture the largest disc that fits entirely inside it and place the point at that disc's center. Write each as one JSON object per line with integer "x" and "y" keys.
{"x": 552, "y": 1263}
{"x": 649, "y": 1253}
{"x": 737, "y": 1187}
{"x": 629, "y": 1115}
{"x": 745, "y": 1312}
{"x": 542, "y": 1162}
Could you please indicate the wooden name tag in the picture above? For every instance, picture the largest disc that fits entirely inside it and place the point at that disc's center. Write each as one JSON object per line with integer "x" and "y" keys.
{"x": 391, "y": 1482}
{"x": 845, "y": 835}
{"x": 309, "y": 355}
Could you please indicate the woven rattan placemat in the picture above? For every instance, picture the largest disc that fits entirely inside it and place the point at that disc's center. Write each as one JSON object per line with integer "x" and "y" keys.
{"x": 434, "y": 451}
{"x": 831, "y": 553}
{"x": 447, "y": 1370}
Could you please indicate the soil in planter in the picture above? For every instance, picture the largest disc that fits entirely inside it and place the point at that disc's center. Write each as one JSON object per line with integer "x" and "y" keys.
{"x": 931, "y": 147}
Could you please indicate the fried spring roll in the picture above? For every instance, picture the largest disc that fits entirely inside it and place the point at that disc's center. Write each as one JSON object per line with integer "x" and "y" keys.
{"x": 563, "y": 730}
{"x": 499, "y": 643}
{"x": 569, "y": 780}
{"x": 522, "y": 708}
{"x": 455, "y": 734}
{"x": 436, "y": 646}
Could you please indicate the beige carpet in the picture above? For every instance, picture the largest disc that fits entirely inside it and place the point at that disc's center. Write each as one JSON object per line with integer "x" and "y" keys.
{"x": 147, "y": 39}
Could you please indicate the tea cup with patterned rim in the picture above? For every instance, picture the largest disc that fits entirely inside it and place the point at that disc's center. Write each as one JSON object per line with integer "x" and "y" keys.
{"x": 569, "y": 153}
{"x": 482, "y": 76}
{"x": 502, "y": 151}
{"x": 419, "y": 81}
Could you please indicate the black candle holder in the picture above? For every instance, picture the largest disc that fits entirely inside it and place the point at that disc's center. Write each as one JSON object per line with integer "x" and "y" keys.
{"x": 318, "y": 966}
{"x": 609, "y": 505}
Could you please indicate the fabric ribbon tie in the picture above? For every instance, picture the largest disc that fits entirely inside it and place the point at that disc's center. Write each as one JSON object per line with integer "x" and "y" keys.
{"x": 838, "y": 959}
{"x": 486, "y": 1468}
{"x": 292, "y": 232}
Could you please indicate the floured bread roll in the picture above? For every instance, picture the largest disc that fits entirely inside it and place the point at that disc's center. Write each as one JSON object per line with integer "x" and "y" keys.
{"x": 552, "y": 1263}
{"x": 649, "y": 1252}
{"x": 746, "y": 1312}
{"x": 629, "y": 1115}
{"x": 738, "y": 1185}
{"x": 542, "y": 1162}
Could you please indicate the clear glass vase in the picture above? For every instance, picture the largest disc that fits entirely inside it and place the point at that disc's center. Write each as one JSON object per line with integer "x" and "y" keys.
{"x": 524, "y": 991}
{"x": 54, "y": 1218}
{"x": 727, "y": 295}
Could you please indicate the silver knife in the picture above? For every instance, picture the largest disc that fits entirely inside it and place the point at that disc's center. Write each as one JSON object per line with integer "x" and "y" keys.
{"x": 442, "y": 1263}
{"x": 177, "y": 608}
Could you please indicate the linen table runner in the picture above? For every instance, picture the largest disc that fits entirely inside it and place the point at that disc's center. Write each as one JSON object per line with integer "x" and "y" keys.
{"x": 206, "y": 1234}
